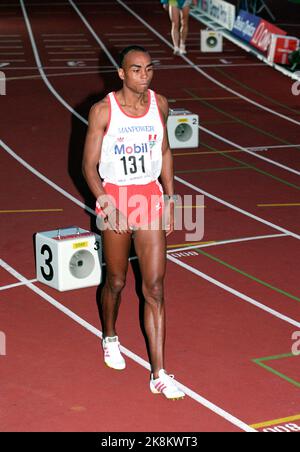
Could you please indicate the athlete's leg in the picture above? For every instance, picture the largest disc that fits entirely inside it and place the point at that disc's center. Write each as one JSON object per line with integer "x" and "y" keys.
{"x": 116, "y": 252}
{"x": 174, "y": 13}
{"x": 184, "y": 13}
{"x": 150, "y": 246}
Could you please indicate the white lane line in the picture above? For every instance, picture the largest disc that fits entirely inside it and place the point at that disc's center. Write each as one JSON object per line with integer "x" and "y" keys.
{"x": 176, "y": 66}
{"x": 228, "y": 65}
{"x": 63, "y": 67}
{"x": 61, "y": 74}
{"x": 75, "y": 46}
{"x": 189, "y": 248}
{"x": 123, "y": 39}
{"x": 47, "y": 13}
{"x": 80, "y": 71}
{"x": 66, "y": 40}
{"x": 226, "y": 242}
{"x": 126, "y": 34}
{"x": 40, "y": 67}
{"x": 62, "y": 34}
{"x": 212, "y": 79}
{"x": 68, "y": 59}
{"x": 248, "y": 151}
{"x": 103, "y": 47}
{"x": 73, "y": 52}
{"x": 153, "y": 51}
{"x": 235, "y": 292}
{"x": 201, "y": 400}
{"x": 272, "y": 162}
{"x": 216, "y": 59}
{"x": 12, "y": 286}
{"x": 255, "y": 149}
{"x": 277, "y": 146}
{"x": 150, "y": 46}
{"x": 238, "y": 209}
{"x": 44, "y": 178}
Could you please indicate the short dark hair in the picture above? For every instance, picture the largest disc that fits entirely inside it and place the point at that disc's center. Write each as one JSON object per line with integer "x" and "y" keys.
{"x": 129, "y": 49}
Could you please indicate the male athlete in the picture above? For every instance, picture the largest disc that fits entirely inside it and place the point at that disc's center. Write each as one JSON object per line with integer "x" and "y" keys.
{"x": 127, "y": 138}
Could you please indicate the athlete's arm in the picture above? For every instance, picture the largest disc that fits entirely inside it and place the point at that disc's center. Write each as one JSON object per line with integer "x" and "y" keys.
{"x": 167, "y": 173}
{"x": 98, "y": 121}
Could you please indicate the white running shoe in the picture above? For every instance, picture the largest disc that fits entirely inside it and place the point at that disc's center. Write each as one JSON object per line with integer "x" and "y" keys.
{"x": 182, "y": 49}
{"x": 176, "y": 51}
{"x": 165, "y": 385}
{"x": 112, "y": 354}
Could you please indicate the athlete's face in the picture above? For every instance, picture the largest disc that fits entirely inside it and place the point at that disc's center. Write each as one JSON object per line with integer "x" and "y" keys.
{"x": 137, "y": 71}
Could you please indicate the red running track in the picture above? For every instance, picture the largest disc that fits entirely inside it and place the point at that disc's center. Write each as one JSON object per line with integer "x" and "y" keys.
{"x": 53, "y": 375}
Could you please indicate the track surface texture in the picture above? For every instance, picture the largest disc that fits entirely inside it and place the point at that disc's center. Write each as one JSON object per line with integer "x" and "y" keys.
{"x": 233, "y": 299}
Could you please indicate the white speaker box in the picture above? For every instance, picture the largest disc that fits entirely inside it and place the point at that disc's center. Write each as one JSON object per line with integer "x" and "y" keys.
{"x": 211, "y": 41}
{"x": 183, "y": 129}
{"x": 69, "y": 258}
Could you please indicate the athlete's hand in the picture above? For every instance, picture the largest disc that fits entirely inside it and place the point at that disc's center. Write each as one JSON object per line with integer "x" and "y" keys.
{"x": 114, "y": 220}
{"x": 169, "y": 217}
{"x": 117, "y": 221}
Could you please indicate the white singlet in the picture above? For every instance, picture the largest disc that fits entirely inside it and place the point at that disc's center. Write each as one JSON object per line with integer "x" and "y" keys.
{"x": 132, "y": 146}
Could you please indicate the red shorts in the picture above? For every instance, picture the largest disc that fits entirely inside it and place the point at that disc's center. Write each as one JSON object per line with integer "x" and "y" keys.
{"x": 142, "y": 205}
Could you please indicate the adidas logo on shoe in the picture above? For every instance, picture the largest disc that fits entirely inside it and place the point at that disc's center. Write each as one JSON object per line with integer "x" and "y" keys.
{"x": 165, "y": 385}
{"x": 112, "y": 353}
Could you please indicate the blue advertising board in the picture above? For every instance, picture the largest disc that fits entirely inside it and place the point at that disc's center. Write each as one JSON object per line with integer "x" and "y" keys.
{"x": 246, "y": 25}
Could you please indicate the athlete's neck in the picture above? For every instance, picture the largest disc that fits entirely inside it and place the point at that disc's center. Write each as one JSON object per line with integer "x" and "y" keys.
{"x": 134, "y": 101}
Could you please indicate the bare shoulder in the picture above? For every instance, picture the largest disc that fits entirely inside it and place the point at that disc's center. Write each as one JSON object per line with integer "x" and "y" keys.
{"x": 99, "y": 113}
{"x": 162, "y": 101}
{"x": 163, "y": 105}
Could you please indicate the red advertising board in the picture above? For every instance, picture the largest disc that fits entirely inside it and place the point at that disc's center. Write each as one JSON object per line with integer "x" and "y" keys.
{"x": 281, "y": 47}
{"x": 263, "y": 35}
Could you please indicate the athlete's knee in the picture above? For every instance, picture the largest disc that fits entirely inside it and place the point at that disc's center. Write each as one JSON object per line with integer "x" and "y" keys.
{"x": 116, "y": 283}
{"x": 184, "y": 25}
{"x": 175, "y": 25}
{"x": 154, "y": 290}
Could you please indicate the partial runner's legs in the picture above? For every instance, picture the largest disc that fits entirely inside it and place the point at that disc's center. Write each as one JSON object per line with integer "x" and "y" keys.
{"x": 116, "y": 253}
{"x": 184, "y": 15}
{"x": 180, "y": 27}
{"x": 174, "y": 13}
{"x": 150, "y": 246}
